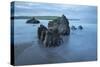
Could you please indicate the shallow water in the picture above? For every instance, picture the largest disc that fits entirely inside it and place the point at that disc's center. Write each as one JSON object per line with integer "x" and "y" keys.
{"x": 27, "y": 32}
{"x": 24, "y": 32}
{"x": 81, "y": 45}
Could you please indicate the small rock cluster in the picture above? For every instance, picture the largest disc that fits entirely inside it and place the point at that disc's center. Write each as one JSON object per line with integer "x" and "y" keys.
{"x": 80, "y": 27}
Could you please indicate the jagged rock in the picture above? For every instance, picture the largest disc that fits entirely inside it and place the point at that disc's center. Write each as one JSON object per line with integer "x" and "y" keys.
{"x": 49, "y": 37}
{"x": 62, "y": 24}
{"x": 52, "y": 38}
{"x": 33, "y": 21}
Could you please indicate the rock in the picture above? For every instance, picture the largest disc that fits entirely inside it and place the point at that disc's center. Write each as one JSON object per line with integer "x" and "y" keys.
{"x": 80, "y": 27}
{"x": 41, "y": 32}
{"x": 73, "y": 28}
{"x": 62, "y": 24}
{"x": 51, "y": 37}
{"x": 48, "y": 39}
{"x": 33, "y": 21}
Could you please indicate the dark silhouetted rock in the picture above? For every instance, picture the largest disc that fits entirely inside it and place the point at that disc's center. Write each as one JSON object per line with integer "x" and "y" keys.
{"x": 33, "y": 21}
{"x": 73, "y": 28}
{"x": 80, "y": 27}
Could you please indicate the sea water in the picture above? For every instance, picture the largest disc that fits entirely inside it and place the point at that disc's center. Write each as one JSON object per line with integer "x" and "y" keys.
{"x": 81, "y": 45}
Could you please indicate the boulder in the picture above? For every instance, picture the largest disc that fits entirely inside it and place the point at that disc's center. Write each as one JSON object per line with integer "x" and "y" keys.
{"x": 33, "y": 21}
{"x": 80, "y": 27}
{"x": 73, "y": 28}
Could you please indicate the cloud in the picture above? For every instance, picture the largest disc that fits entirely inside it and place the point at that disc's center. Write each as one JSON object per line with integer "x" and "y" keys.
{"x": 78, "y": 11}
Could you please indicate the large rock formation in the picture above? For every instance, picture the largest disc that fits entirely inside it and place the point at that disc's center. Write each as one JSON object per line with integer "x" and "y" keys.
{"x": 33, "y": 21}
{"x": 62, "y": 24}
{"x": 51, "y": 37}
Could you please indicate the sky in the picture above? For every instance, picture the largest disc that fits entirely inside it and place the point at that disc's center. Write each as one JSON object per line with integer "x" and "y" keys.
{"x": 48, "y": 9}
